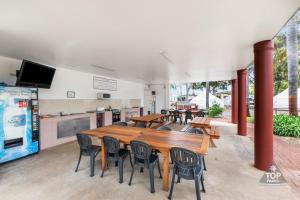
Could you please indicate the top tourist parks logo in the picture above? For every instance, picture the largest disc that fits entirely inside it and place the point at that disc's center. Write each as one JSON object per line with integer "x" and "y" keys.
{"x": 273, "y": 176}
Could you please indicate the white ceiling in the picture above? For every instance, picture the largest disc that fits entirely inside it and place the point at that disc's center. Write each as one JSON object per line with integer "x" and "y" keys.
{"x": 204, "y": 39}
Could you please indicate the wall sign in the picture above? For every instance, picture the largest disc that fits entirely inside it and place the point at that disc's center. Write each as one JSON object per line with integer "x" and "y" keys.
{"x": 100, "y": 83}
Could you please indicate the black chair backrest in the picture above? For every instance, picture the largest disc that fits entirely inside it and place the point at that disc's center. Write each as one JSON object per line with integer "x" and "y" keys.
{"x": 84, "y": 141}
{"x": 112, "y": 145}
{"x": 186, "y": 161}
{"x": 188, "y": 114}
{"x": 194, "y": 130}
{"x": 164, "y": 128}
{"x": 121, "y": 123}
{"x": 141, "y": 150}
{"x": 163, "y": 112}
{"x": 201, "y": 113}
{"x": 176, "y": 113}
{"x": 141, "y": 125}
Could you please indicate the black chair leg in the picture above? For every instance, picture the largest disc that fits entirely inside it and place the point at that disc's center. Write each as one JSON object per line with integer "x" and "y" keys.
{"x": 120, "y": 170}
{"x": 204, "y": 165}
{"x": 202, "y": 183}
{"x": 102, "y": 173}
{"x": 78, "y": 162}
{"x": 172, "y": 185}
{"x": 130, "y": 159}
{"x": 131, "y": 176}
{"x": 160, "y": 176}
{"x": 197, "y": 188}
{"x": 151, "y": 175}
{"x": 92, "y": 164}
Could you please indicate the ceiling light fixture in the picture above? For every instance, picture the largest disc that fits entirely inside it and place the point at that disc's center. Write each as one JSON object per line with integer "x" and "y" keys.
{"x": 187, "y": 74}
{"x": 104, "y": 68}
{"x": 163, "y": 54}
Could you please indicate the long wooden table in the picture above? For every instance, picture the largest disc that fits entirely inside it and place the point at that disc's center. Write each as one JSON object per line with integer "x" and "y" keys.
{"x": 148, "y": 119}
{"x": 161, "y": 140}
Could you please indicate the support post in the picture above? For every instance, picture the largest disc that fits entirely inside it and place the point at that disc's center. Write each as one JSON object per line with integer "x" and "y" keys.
{"x": 242, "y": 102}
{"x": 263, "y": 128}
{"x": 234, "y": 101}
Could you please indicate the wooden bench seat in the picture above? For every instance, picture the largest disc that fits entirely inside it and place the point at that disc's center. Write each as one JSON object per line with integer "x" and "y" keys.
{"x": 161, "y": 124}
{"x": 186, "y": 127}
{"x": 214, "y": 132}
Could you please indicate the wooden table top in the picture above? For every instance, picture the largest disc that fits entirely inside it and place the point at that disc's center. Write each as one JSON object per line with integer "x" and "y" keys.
{"x": 201, "y": 121}
{"x": 168, "y": 139}
{"x": 148, "y": 118}
{"x": 157, "y": 139}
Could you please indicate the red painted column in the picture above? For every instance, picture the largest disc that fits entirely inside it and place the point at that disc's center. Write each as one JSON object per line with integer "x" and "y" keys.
{"x": 234, "y": 101}
{"x": 263, "y": 127}
{"x": 242, "y": 102}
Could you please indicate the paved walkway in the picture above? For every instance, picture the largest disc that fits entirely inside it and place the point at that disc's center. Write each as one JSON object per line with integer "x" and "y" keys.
{"x": 287, "y": 158}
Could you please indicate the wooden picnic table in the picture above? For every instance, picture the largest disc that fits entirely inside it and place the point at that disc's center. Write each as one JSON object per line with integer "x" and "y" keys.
{"x": 204, "y": 124}
{"x": 148, "y": 119}
{"x": 161, "y": 140}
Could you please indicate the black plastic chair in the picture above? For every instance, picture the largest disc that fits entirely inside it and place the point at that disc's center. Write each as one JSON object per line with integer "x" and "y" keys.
{"x": 164, "y": 128}
{"x": 121, "y": 123}
{"x": 87, "y": 149}
{"x": 165, "y": 112}
{"x": 113, "y": 152}
{"x": 197, "y": 131}
{"x": 144, "y": 157}
{"x": 188, "y": 115}
{"x": 194, "y": 130}
{"x": 176, "y": 116}
{"x": 200, "y": 113}
{"x": 141, "y": 125}
{"x": 188, "y": 166}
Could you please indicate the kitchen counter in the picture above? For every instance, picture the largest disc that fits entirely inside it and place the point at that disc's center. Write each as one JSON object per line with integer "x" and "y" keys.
{"x": 49, "y": 128}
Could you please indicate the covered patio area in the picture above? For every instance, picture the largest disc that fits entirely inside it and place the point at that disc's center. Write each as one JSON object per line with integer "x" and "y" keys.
{"x": 230, "y": 175}
{"x": 85, "y": 107}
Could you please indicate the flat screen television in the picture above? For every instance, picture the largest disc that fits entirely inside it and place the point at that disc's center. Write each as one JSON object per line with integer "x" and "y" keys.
{"x": 35, "y": 75}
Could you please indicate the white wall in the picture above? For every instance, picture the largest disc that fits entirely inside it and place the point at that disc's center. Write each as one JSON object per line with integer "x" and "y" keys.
{"x": 82, "y": 83}
{"x": 71, "y": 80}
{"x": 8, "y": 66}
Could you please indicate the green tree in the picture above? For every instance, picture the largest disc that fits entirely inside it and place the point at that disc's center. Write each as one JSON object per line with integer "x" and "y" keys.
{"x": 292, "y": 60}
{"x": 280, "y": 64}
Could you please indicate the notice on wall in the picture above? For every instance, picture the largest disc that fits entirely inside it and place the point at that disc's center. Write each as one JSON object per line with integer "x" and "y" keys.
{"x": 101, "y": 83}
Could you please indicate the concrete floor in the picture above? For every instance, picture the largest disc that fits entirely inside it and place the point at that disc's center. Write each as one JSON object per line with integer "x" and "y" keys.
{"x": 50, "y": 175}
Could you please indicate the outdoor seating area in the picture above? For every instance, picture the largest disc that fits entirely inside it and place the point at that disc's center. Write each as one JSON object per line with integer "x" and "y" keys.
{"x": 150, "y": 100}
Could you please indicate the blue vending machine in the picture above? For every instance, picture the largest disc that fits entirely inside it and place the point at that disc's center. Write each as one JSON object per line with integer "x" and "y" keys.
{"x": 19, "y": 122}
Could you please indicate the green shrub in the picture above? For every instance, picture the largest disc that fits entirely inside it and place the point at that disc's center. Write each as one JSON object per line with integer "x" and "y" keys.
{"x": 250, "y": 120}
{"x": 215, "y": 110}
{"x": 285, "y": 125}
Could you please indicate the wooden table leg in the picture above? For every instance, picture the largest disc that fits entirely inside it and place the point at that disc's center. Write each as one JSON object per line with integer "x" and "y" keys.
{"x": 103, "y": 155}
{"x": 166, "y": 170}
{"x": 212, "y": 144}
